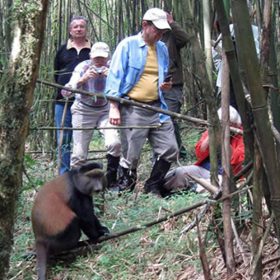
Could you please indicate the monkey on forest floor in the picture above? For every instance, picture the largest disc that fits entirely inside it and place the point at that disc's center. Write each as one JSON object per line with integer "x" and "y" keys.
{"x": 62, "y": 208}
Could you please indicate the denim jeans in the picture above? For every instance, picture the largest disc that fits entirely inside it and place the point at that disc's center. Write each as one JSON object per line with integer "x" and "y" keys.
{"x": 67, "y": 136}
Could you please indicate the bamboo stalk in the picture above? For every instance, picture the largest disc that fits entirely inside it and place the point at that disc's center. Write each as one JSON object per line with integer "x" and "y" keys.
{"x": 226, "y": 156}
{"x": 204, "y": 183}
{"x": 44, "y": 152}
{"x": 138, "y": 104}
{"x": 60, "y": 140}
{"x": 202, "y": 254}
{"x": 128, "y": 102}
{"x": 262, "y": 242}
{"x": 257, "y": 212}
{"x": 241, "y": 249}
{"x": 97, "y": 128}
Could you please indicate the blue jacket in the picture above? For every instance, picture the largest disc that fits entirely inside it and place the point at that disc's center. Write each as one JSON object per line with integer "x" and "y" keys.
{"x": 128, "y": 64}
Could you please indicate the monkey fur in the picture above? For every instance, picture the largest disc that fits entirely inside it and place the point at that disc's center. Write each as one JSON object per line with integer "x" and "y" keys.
{"x": 62, "y": 209}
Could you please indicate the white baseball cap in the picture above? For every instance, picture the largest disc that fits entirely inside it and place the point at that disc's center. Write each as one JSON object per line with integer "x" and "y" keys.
{"x": 157, "y": 17}
{"x": 100, "y": 49}
{"x": 234, "y": 116}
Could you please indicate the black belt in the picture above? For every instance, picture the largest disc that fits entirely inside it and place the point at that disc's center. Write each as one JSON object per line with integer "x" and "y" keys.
{"x": 148, "y": 103}
{"x": 155, "y": 103}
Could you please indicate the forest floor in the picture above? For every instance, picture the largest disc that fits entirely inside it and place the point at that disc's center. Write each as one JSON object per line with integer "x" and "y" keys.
{"x": 165, "y": 251}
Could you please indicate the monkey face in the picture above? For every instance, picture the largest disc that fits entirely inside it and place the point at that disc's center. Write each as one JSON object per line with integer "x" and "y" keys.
{"x": 89, "y": 182}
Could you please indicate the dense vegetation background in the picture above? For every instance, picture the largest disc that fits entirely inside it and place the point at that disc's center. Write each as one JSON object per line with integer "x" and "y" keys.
{"x": 164, "y": 251}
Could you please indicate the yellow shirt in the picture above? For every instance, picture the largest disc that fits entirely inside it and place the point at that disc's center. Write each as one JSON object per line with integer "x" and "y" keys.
{"x": 146, "y": 90}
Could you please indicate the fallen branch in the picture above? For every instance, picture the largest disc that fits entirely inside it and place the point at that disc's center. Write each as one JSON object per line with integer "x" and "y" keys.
{"x": 90, "y": 245}
{"x": 205, "y": 184}
{"x": 199, "y": 217}
{"x": 277, "y": 258}
{"x": 216, "y": 191}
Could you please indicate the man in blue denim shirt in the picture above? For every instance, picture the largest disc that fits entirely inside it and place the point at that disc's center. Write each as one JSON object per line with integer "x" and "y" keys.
{"x": 137, "y": 71}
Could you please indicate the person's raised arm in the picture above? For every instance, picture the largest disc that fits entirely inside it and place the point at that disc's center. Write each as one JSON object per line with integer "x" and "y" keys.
{"x": 180, "y": 35}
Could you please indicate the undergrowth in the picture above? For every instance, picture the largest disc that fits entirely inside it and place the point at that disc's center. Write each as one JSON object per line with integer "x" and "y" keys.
{"x": 158, "y": 252}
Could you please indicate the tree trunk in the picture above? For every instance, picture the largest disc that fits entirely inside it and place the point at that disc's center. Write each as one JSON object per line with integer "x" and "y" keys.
{"x": 267, "y": 146}
{"x": 226, "y": 155}
{"x": 17, "y": 85}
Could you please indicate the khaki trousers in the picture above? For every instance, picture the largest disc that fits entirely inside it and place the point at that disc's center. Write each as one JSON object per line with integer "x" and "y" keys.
{"x": 162, "y": 139}
{"x": 84, "y": 116}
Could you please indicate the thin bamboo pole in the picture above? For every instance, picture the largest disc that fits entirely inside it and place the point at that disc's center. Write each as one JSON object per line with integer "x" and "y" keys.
{"x": 129, "y": 102}
{"x": 61, "y": 134}
{"x": 98, "y": 128}
{"x": 226, "y": 150}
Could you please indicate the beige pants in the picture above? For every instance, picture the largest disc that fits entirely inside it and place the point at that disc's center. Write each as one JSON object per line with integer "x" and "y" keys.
{"x": 177, "y": 178}
{"x": 84, "y": 116}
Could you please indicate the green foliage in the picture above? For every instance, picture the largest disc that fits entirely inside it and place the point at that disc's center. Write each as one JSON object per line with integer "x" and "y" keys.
{"x": 35, "y": 172}
{"x": 192, "y": 136}
{"x": 31, "y": 9}
{"x": 157, "y": 252}
{"x": 141, "y": 255}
